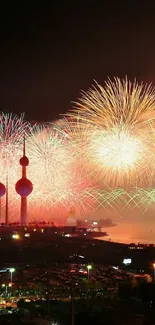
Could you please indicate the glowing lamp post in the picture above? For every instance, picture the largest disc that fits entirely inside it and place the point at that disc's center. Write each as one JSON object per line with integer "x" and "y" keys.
{"x": 89, "y": 267}
{"x": 6, "y": 287}
{"x": 12, "y": 270}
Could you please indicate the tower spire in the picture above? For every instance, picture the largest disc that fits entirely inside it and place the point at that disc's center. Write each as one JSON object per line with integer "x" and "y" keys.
{"x": 24, "y": 149}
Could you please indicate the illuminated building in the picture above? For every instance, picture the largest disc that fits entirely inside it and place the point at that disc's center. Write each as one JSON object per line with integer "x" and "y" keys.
{"x": 89, "y": 225}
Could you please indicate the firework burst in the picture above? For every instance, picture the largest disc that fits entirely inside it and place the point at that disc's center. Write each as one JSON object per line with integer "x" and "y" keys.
{"x": 12, "y": 130}
{"x": 60, "y": 183}
{"x": 117, "y": 157}
{"x": 120, "y": 101}
{"x": 102, "y": 154}
{"x": 116, "y": 118}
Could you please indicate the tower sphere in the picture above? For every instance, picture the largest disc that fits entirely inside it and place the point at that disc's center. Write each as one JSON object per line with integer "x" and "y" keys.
{"x": 24, "y": 187}
{"x": 24, "y": 161}
{"x": 2, "y": 189}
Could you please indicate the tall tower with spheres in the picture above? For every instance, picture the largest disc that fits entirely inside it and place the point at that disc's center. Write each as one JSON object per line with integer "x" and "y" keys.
{"x": 24, "y": 187}
{"x": 2, "y": 192}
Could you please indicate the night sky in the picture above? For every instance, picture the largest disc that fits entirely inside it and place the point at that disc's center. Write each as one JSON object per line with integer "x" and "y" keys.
{"x": 49, "y": 52}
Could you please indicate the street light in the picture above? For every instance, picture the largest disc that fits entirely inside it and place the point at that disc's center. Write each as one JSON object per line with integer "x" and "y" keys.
{"x": 6, "y": 287}
{"x": 89, "y": 267}
{"x": 15, "y": 236}
{"x": 12, "y": 270}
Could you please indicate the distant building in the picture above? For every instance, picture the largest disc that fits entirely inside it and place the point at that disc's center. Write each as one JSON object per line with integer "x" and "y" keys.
{"x": 89, "y": 225}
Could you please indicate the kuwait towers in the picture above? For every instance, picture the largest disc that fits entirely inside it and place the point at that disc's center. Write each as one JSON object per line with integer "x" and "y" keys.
{"x": 2, "y": 192}
{"x": 24, "y": 188}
